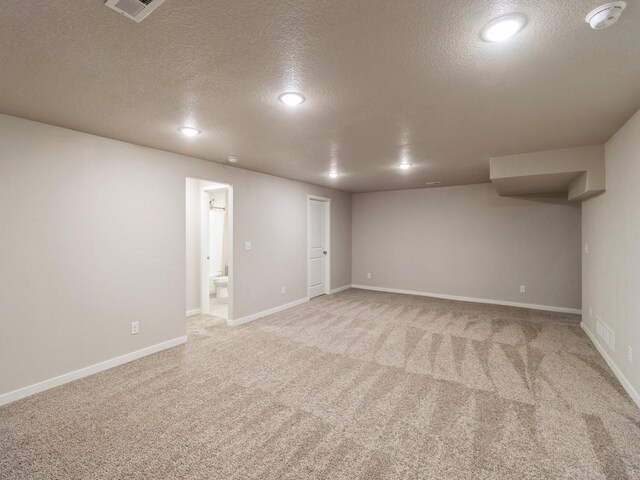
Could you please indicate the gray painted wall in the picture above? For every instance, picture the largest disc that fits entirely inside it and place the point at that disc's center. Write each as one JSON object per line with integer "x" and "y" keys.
{"x": 192, "y": 201}
{"x": 468, "y": 241}
{"x": 93, "y": 237}
{"x": 611, "y": 268}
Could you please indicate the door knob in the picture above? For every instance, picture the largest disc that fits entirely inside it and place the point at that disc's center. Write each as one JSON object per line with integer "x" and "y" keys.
{"x": 325, "y": 252}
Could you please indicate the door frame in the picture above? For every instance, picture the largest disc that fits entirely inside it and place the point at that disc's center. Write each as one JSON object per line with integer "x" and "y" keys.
{"x": 326, "y": 218}
{"x": 205, "y": 284}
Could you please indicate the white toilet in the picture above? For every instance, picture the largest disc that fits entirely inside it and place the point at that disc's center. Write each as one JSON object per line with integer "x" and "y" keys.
{"x": 218, "y": 283}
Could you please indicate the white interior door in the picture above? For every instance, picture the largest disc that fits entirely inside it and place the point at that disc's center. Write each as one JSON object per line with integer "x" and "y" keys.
{"x": 317, "y": 258}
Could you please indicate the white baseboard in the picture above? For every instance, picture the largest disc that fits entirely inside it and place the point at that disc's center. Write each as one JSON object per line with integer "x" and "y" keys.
{"x": 339, "y": 289}
{"x": 255, "y": 316}
{"x": 191, "y": 313}
{"x": 86, "y": 371}
{"x": 616, "y": 371}
{"x": 546, "y": 308}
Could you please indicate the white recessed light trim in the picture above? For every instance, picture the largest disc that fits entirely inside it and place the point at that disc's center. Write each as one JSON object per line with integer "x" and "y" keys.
{"x": 404, "y": 166}
{"x": 189, "y": 131}
{"x": 432, "y": 184}
{"x": 233, "y": 159}
{"x": 291, "y": 99}
{"x": 503, "y": 28}
{"x": 333, "y": 174}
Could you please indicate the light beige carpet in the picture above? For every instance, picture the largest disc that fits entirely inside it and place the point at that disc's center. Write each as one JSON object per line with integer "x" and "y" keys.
{"x": 358, "y": 385}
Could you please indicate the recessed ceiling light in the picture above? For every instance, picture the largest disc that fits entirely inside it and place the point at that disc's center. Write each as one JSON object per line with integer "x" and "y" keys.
{"x": 333, "y": 174}
{"x": 503, "y": 28}
{"x": 232, "y": 159}
{"x": 432, "y": 184}
{"x": 404, "y": 166}
{"x": 189, "y": 131}
{"x": 291, "y": 98}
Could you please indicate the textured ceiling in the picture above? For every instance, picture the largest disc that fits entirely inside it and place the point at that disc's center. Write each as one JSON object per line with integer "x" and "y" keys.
{"x": 383, "y": 80}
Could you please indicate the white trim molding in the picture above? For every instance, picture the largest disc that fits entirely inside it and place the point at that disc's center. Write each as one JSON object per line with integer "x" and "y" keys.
{"x": 86, "y": 371}
{"x": 616, "y": 371}
{"x": 194, "y": 312}
{"x": 264, "y": 313}
{"x": 546, "y": 308}
{"x": 339, "y": 289}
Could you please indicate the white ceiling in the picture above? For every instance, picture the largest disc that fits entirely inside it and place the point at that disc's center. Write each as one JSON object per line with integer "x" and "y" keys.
{"x": 383, "y": 79}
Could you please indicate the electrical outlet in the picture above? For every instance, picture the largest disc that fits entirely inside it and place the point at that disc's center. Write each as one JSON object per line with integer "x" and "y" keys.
{"x": 283, "y": 290}
{"x": 630, "y": 354}
{"x": 586, "y": 248}
{"x": 135, "y": 328}
{"x": 523, "y": 288}
{"x": 368, "y": 275}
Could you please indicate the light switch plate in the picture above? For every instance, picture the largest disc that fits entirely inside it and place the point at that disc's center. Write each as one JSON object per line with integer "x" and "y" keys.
{"x": 247, "y": 246}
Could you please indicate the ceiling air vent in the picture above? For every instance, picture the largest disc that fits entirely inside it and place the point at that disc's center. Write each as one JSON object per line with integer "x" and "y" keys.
{"x": 134, "y": 9}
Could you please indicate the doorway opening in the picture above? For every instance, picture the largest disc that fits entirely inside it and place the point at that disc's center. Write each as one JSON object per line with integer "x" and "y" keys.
{"x": 209, "y": 249}
{"x": 318, "y": 245}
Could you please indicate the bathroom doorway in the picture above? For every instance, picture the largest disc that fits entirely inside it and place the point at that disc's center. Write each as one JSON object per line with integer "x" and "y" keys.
{"x": 215, "y": 247}
{"x": 209, "y": 223}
